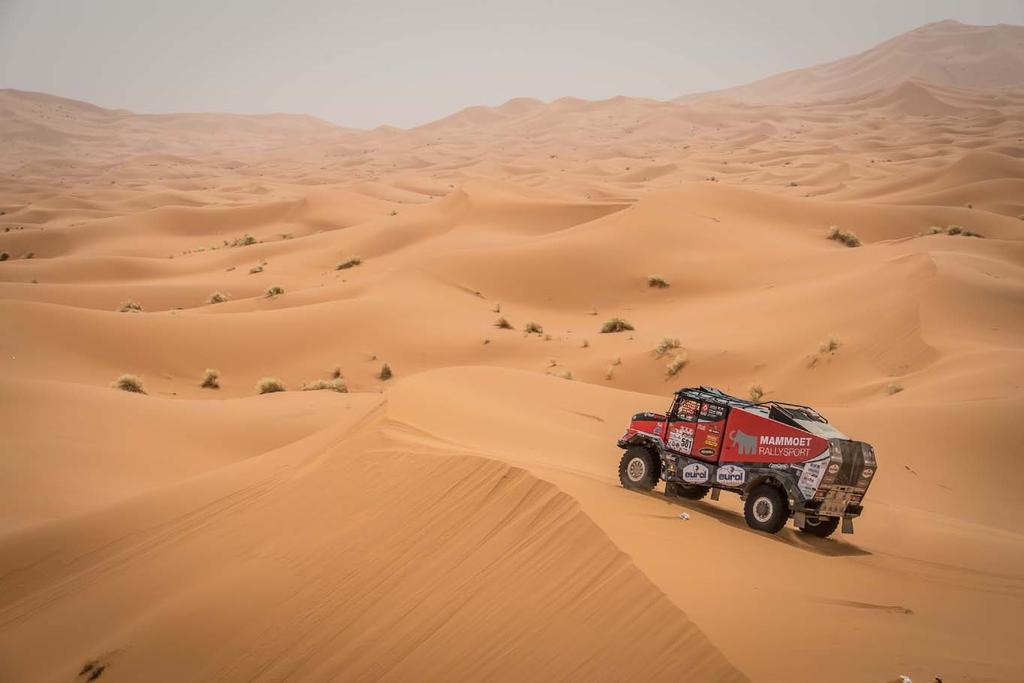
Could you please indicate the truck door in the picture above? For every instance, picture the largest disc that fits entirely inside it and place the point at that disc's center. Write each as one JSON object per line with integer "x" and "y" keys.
{"x": 680, "y": 430}
{"x": 708, "y": 430}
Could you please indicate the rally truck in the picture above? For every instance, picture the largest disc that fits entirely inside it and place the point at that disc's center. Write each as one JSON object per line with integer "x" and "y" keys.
{"x": 784, "y": 460}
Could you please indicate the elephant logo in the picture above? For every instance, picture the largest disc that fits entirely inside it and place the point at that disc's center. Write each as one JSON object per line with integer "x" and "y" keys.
{"x": 746, "y": 444}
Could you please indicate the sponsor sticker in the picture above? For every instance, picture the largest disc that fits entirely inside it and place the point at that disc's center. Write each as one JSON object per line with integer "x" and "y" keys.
{"x": 681, "y": 439}
{"x": 657, "y": 428}
{"x": 833, "y": 468}
{"x": 810, "y": 478}
{"x": 711, "y": 441}
{"x": 778, "y": 466}
{"x": 707, "y": 451}
{"x": 867, "y": 473}
{"x": 695, "y": 473}
{"x": 730, "y": 475}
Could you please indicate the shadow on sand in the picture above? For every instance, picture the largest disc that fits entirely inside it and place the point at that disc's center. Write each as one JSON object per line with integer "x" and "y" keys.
{"x": 790, "y": 536}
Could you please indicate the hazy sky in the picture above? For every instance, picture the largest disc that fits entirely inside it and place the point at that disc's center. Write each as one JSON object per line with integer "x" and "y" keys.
{"x": 364, "y": 63}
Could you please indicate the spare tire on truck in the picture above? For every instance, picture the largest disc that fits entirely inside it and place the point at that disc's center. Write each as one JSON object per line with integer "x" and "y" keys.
{"x": 639, "y": 469}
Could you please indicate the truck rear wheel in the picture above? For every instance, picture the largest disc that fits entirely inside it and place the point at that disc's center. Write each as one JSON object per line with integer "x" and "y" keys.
{"x": 639, "y": 469}
{"x": 766, "y": 509}
{"x": 688, "y": 491}
{"x": 822, "y": 527}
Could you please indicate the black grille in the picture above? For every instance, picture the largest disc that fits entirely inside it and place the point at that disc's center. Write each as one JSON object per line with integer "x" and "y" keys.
{"x": 853, "y": 462}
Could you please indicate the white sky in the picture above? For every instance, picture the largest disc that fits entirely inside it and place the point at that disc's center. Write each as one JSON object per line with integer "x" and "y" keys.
{"x": 363, "y": 63}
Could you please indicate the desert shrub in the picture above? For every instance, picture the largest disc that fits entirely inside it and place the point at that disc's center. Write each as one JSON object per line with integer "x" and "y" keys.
{"x": 497, "y": 308}
{"x": 393, "y": 212}
{"x": 666, "y": 345}
{"x": 218, "y": 298}
{"x": 658, "y": 282}
{"x": 211, "y": 379}
{"x": 843, "y": 236}
{"x": 616, "y": 361}
{"x": 585, "y": 344}
{"x": 131, "y": 307}
{"x": 503, "y": 324}
{"x": 533, "y": 328}
{"x": 255, "y": 269}
{"x": 4, "y": 256}
{"x": 244, "y": 241}
{"x": 566, "y": 374}
{"x": 385, "y": 372}
{"x": 971, "y": 233}
{"x": 274, "y": 291}
{"x": 830, "y": 344}
{"x": 615, "y": 325}
{"x": 349, "y": 263}
{"x": 132, "y": 383}
{"x": 336, "y": 372}
{"x": 954, "y": 230}
{"x": 936, "y": 230}
{"x": 30, "y": 254}
{"x": 326, "y": 385}
{"x": 270, "y": 385}
{"x": 756, "y": 393}
{"x": 677, "y": 364}
{"x": 893, "y": 388}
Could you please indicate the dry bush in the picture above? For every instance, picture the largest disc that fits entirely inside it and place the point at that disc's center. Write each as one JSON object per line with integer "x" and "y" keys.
{"x": 270, "y": 385}
{"x": 217, "y": 298}
{"x": 830, "y": 344}
{"x": 843, "y": 236}
{"x": 566, "y": 374}
{"x": 274, "y": 291}
{"x": 666, "y": 345}
{"x": 326, "y": 385}
{"x": 336, "y": 372}
{"x": 893, "y": 388}
{"x": 585, "y": 344}
{"x": 131, "y": 307}
{"x": 657, "y": 282}
{"x": 244, "y": 241}
{"x": 132, "y": 383}
{"x": 211, "y": 379}
{"x": 677, "y": 364}
{"x": 349, "y": 263}
{"x": 385, "y": 372}
{"x": 533, "y": 328}
{"x": 503, "y": 324}
{"x": 255, "y": 269}
{"x": 615, "y": 325}
{"x": 4, "y": 256}
{"x": 756, "y": 393}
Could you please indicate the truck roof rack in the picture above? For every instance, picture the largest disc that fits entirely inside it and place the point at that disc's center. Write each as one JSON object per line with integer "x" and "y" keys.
{"x": 793, "y": 411}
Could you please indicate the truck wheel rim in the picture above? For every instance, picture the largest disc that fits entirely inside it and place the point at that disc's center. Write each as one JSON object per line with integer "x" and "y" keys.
{"x": 763, "y": 509}
{"x": 636, "y": 469}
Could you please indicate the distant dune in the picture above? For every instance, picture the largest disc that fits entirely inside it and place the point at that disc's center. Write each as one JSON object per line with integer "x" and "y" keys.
{"x": 462, "y": 520}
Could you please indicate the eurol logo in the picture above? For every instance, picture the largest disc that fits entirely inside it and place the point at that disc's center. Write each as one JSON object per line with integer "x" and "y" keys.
{"x": 695, "y": 473}
{"x": 867, "y": 473}
{"x": 730, "y": 475}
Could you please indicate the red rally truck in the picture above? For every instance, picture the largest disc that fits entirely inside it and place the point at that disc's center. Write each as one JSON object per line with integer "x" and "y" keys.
{"x": 784, "y": 460}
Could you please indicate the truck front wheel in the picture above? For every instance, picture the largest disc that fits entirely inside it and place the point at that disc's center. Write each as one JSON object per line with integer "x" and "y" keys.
{"x": 639, "y": 469}
{"x": 822, "y": 527}
{"x": 766, "y": 509}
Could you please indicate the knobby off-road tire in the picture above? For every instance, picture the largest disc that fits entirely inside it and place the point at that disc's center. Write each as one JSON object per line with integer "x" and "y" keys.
{"x": 689, "y": 492}
{"x": 822, "y": 527}
{"x": 639, "y": 469}
{"x": 766, "y": 509}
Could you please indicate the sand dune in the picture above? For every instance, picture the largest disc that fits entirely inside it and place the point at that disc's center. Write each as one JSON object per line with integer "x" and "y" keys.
{"x": 463, "y": 520}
